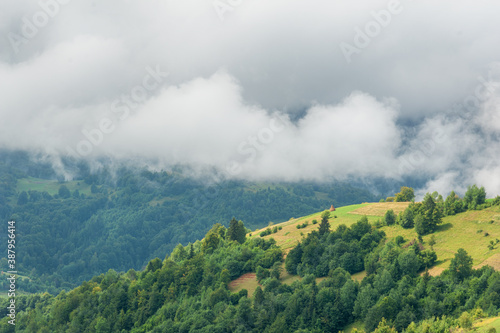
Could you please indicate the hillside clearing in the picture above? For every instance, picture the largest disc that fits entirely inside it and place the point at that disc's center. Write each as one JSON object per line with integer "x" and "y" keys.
{"x": 50, "y": 186}
{"x": 471, "y": 230}
{"x": 380, "y": 208}
{"x": 289, "y": 236}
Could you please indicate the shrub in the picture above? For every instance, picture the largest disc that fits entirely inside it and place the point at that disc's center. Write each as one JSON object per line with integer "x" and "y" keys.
{"x": 480, "y": 231}
{"x": 399, "y": 240}
{"x": 315, "y": 221}
{"x": 266, "y": 232}
{"x": 280, "y": 227}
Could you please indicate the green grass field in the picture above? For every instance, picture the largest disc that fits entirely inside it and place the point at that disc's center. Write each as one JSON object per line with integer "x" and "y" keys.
{"x": 50, "y": 186}
{"x": 483, "y": 325}
{"x": 472, "y": 230}
{"x": 289, "y": 236}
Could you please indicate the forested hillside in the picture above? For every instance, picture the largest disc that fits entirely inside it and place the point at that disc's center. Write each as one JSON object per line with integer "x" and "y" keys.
{"x": 120, "y": 218}
{"x": 188, "y": 292}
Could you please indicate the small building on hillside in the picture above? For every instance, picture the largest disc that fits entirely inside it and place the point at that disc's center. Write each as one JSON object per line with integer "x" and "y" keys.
{"x": 332, "y": 209}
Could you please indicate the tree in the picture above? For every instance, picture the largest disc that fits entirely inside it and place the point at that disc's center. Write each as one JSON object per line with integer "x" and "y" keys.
{"x": 324, "y": 226}
{"x": 450, "y": 204}
{"x": 409, "y": 263}
{"x": 406, "y": 220}
{"x": 191, "y": 251}
{"x": 258, "y": 296}
{"x": 210, "y": 242}
{"x": 364, "y": 301}
{"x": 225, "y": 276}
{"x": 293, "y": 258}
{"x": 276, "y": 270}
{"x": 420, "y": 227}
{"x": 23, "y": 198}
{"x": 262, "y": 273}
{"x": 179, "y": 253}
{"x": 405, "y": 194}
{"x": 465, "y": 320}
{"x": 64, "y": 192}
{"x": 236, "y": 231}
{"x": 154, "y": 265}
{"x": 390, "y": 217}
{"x": 432, "y": 241}
{"x": 474, "y": 197}
{"x": 431, "y": 216}
{"x": 461, "y": 265}
{"x": 384, "y": 327}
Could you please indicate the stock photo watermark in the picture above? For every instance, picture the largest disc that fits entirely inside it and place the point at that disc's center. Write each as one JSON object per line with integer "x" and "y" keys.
{"x": 222, "y": 7}
{"x": 122, "y": 108}
{"x": 485, "y": 89}
{"x": 31, "y": 25}
{"x": 424, "y": 150}
{"x": 255, "y": 143}
{"x": 12, "y": 272}
{"x": 373, "y": 28}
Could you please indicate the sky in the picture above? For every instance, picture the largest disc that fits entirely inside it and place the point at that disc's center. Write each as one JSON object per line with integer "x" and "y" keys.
{"x": 260, "y": 90}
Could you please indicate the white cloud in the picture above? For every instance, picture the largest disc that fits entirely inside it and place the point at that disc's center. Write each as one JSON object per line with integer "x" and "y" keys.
{"x": 229, "y": 80}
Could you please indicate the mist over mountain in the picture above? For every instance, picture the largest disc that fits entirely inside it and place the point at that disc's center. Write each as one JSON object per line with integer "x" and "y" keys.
{"x": 348, "y": 91}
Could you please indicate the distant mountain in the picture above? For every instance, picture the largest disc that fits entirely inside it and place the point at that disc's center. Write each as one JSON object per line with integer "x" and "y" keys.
{"x": 121, "y": 217}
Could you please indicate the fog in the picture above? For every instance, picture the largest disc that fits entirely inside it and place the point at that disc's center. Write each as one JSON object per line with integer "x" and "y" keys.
{"x": 259, "y": 90}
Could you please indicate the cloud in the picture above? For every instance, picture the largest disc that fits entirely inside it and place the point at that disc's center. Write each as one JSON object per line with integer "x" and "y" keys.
{"x": 263, "y": 93}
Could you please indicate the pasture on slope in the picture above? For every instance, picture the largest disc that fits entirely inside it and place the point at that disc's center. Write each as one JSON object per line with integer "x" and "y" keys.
{"x": 471, "y": 230}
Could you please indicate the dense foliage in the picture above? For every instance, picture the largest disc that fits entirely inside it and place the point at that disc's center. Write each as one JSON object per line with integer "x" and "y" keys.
{"x": 346, "y": 248}
{"x": 132, "y": 215}
{"x": 188, "y": 291}
{"x": 425, "y": 216}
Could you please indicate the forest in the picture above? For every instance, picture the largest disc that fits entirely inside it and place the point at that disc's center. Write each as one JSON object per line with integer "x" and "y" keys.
{"x": 123, "y": 217}
{"x": 188, "y": 290}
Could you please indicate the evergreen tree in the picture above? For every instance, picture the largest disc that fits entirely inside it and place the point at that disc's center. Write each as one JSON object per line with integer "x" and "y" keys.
{"x": 64, "y": 192}
{"x": 431, "y": 215}
{"x": 324, "y": 226}
{"x": 420, "y": 226}
{"x": 474, "y": 197}
{"x": 461, "y": 265}
{"x": 23, "y": 198}
{"x": 450, "y": 204}
{"x": 191, "y": 251}
{"x": 293, "y": 258}
{"x": 236, "y": 231}
{"x": 258, "y": 296}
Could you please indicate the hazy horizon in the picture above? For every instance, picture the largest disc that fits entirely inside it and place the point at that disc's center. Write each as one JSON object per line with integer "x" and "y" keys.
{"x": 259, "y": 90}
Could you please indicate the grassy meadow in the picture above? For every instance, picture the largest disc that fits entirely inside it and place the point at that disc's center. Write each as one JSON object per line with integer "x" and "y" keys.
{"x": 471, "y": 230}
